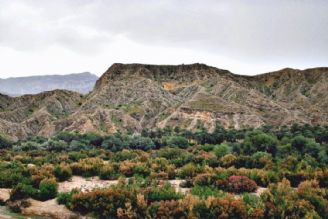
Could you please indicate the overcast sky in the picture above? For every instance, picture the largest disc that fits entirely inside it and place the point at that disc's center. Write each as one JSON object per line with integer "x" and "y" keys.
{"x": 243, "y": 36}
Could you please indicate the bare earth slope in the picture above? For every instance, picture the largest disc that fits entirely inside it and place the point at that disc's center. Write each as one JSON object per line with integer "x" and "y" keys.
{"x": 136, "y": 96}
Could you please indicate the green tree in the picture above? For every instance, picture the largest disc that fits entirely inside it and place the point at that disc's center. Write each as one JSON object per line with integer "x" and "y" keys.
{"x": 178, "y": 141}
{"x": 259, "y": 141}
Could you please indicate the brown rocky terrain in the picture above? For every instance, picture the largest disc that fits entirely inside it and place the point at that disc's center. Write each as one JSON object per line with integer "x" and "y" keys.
{"x": 136, "y": 96}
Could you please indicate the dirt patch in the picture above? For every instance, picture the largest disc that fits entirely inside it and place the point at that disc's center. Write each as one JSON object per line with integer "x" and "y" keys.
{"x": 49, "y": 209}
{"x": 4, "y": 195}
{"x": 83, "y": 184}
{"x": 176, "y": 183}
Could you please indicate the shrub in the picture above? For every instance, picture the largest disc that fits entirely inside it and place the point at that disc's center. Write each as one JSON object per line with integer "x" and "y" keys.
{"x": 9, "y": 178}
{"x": 114, "y": 143}
{"x": 207, "y": 191}
{"x": 207, "y": 147}
{"x": 259, "y": 141}
{"x": 67, "y": 136}
{"x": 65, "y": 198}
{"x": 77, "y": 145}
{"x": 221, "y": 150}
{"x": 310, "y": 191}
{"x": 282, "y": 201}
{"x": 63, "y": 172}
{"x": 178, "y": 141}
{"x": 227, "y": 207}
{"x": 126, "y": 168}
{"x": 5, "y": 142}
{"x": 22, "y": 191}
{"x": 141, "y": 143}
{"x": 166, "y": 192}
{"x": 76, "y": 156}
{"x": 93, "y": 138}
{"x": 57, "y": 146}
{"x": 27, "y": 146}
{"x": 48, "y": 189}
{"x": 189, "y": 170}
{"x": 124, "y": 155}
{"x": 228, "y": 160}
{"x": 87, "y": 167}
{"x": 170, "y": 153}
{"x": 254, "y": 204}
{"x": 141, "y": 170}
{"x": 107, "y": 172}
{"x": 239, "y": 184}
{"x": 261, "y": 159}
{"x": 205, "y": 179}
{"x": 107, "y": 203}
{"x": 168, "y": 209}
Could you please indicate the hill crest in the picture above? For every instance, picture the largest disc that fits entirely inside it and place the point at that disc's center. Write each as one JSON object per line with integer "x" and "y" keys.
{"x": 137, "y": 96}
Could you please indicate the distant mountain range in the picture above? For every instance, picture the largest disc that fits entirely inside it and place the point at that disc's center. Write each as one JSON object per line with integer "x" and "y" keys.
{"x": 137, "y": 96}
{"x": 79, "y": 82}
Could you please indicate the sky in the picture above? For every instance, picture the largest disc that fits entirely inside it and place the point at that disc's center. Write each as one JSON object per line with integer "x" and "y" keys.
{"x": 40, "y": 37}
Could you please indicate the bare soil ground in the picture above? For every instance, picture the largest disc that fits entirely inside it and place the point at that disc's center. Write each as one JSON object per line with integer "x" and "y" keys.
{"x": 83, "y": 184}
{"x": 49, "y": 209}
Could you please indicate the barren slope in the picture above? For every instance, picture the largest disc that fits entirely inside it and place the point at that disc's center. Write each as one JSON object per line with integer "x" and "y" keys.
{"x": 136, "y": 96}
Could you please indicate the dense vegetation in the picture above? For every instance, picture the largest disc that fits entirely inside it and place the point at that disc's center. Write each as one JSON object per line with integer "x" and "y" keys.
{"x": 222, "y": 170}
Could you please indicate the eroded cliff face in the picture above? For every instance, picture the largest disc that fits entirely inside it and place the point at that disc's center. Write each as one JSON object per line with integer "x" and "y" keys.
{"x": 137, "y": 96}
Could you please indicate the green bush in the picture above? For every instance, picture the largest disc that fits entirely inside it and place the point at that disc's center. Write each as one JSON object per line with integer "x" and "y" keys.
{"x": 56, "y": 145}
{"x": 141, "y": 143}
{"x": 259, "y": 141}
{"x": 207, "y": 147}
{"x": 11, "y": 174}
{"x": 162, "y": 193}
{"x": 65, "y": 198}
{"x": 108, "y": 172}
{"x": 114, "y": 143}
{"x": 47, "y": 189}
{"x": 178, "y": 141}
{"x": 141, "y": 170}
{"x": 189, "y": 170}
{"x": 222, "y": 150}
{"x": 63, "y": 172}
{"x": 207, "y": 191}
{"x": 22, "y": 191}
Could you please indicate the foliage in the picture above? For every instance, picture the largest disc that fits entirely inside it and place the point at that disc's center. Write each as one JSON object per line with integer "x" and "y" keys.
{"x": 162, "y": 193}
{"x": 107, "y": 203}
{"x": 65, "y": 198}
{"x": 178, "y": 141}
{"x": 5, "y": 141}
{"x": 48, "y": 189}
{"x": 239, "y": 184}
{"x": 220, "y": 169}
{"x": 207, "y": 191}
{"x": 63, "y": 172}
{"x": 259, "y": 141}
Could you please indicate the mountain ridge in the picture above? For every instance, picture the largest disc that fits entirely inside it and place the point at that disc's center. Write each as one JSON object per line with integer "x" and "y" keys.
{"x": 17, "y": 86}
{"x": 137, "y": 96}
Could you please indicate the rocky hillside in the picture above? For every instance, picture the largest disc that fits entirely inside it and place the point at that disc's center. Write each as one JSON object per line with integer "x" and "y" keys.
{"x": 137, "y": 96}
{"x": 80, "y": 82}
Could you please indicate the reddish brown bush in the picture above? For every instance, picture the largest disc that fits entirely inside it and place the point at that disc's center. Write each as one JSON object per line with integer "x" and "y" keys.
{"x": 239, "y": 184}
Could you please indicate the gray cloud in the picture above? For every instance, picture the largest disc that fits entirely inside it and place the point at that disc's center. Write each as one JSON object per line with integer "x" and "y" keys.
{"x": 265, "y": 31}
